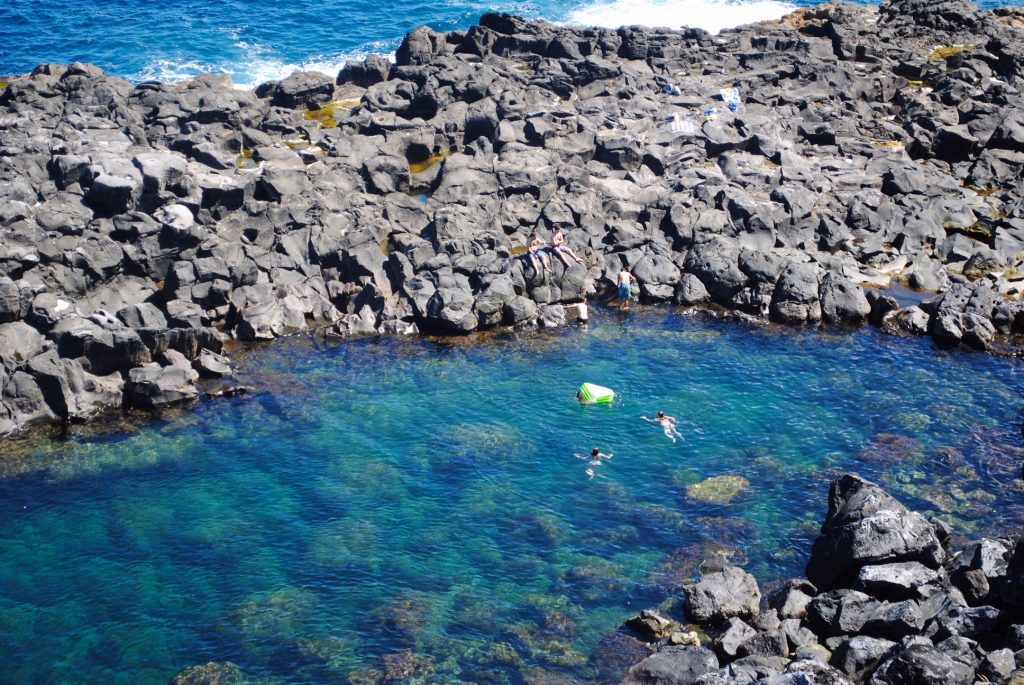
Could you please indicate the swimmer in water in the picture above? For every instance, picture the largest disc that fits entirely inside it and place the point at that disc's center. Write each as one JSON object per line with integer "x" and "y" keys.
{"x": 593, "y": 459}
{"x": 668, "y": 424}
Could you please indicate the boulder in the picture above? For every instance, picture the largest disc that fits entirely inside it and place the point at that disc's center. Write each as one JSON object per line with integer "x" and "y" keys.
{"x": 839, "y": 612}
{"x": 721, "y": 595}
{"x": 19, "y": 343}
{"x": 651, "y": 626}
{"x": 15, "y": 300}
{"x": 858, "y": 656}
{"x": 894, "y": 620}
{"x": 732, "y": 634}
{"x": 110, "y": 194}
{"x": 691, "y": 291}
{"x": 916, "y": 661}
{"x": 796, "y": 295}
{"x": 865, "y": 525}
{"x": 301, "y": 90}
{"x": 674, "y": 665}
{"x": 842, "y": 302}
{"x": 715, "y": 263}
{"x": 770, "y": 644}
{"x": 387, "y": 174}
{"x": 810, "y": 672}
{"x": 975, "y": 623}
{"x": 212, "y": 365}
{"x": 155, "y": 387}
{"x": 418, "y": 47}
{"x": 365, "y": 73}
{"x": 798, "y": 634}
{"x": 792, "y": 599}
{"x": 905, "y": 580}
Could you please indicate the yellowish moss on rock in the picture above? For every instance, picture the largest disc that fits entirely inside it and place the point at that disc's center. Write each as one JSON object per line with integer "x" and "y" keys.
{"x": 420, "y": 167}
{"x": 327, "y": 116}
{"x": 244, "y": 157}
{"x": 945, "y": 51}
{"x": 718, "y": 489}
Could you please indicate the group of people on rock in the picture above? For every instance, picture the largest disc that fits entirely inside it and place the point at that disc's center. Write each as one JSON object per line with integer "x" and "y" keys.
{"x": 596, "y": 456}
{"x": 539, "y": 260}
{"x": 540, "y": 263}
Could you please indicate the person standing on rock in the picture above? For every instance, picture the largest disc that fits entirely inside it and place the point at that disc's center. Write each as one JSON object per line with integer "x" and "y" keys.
{"x": 536, "y": 256}
{"x": 560, "y": 249}
{"x": 668, "y": 424}
{"x": 625, "y": 281}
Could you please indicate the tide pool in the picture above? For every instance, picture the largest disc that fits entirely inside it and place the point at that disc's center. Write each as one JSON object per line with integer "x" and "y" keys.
{"x": 385, "y": 506}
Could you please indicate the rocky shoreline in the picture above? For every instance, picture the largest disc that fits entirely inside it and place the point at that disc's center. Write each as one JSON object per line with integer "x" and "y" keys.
{"x": 884, "y": 603}
{"x": 143, "y": 226}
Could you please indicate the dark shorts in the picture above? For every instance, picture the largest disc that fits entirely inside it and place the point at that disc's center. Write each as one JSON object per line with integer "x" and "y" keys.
{"x": 624, "y": 291}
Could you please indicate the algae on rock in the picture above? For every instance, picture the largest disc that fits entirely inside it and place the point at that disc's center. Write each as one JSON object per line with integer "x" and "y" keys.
{"x": 718, "y": 489}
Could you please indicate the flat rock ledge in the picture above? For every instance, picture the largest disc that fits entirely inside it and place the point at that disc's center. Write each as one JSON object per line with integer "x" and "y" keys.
{"x": 884, "y": 603}
{"x": 143, "y": 225}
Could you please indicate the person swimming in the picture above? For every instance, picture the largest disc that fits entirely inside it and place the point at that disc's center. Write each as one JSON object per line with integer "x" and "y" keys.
{"x": 593, "y": 460}
{"x": 668, "y": 424}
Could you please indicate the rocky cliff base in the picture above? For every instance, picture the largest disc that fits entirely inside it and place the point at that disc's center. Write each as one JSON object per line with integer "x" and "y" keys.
{"x": 142, "y": 226}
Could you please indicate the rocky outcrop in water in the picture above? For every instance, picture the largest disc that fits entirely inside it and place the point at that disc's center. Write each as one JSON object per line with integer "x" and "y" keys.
{"x": 861, "y": 147}
{"x": 889, "y": 605}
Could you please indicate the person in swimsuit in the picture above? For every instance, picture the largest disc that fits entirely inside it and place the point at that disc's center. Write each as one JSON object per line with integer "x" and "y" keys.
{"x": 668, "y": 424}
{"x": 560, "y": 249}
{"x": 537, "y": 258}
{"x": 625, "y": 281}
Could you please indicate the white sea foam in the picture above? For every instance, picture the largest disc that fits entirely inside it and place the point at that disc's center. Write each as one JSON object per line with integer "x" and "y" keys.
{"x": 250, "y": 64}
{"x": 255, "y": 64}
{"x": 710, "y": 15}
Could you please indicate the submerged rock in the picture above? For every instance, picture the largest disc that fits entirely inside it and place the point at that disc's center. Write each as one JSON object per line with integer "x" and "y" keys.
{"x": 212, "y": 673}
{"x": 718, "y": 489}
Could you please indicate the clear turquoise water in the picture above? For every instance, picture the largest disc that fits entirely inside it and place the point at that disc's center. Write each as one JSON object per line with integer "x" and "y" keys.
{"x": 389, "y": 497}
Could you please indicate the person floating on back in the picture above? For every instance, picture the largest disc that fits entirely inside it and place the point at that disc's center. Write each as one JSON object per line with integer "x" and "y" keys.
{"x": 668, "y": 424}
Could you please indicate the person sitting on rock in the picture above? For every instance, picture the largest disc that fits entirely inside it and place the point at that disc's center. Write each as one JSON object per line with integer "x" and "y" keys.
{"x": 668, "y": 424}
{"x": 560, "y": 249}
{"x": 536, "y": 256}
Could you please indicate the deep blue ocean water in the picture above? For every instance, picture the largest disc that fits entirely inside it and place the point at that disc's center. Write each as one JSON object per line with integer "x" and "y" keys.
{"x": 259, "y": 40}
{"x": 383, "y": 502}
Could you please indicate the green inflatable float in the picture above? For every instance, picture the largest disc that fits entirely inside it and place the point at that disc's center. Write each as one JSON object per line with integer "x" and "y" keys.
{"x": 595, "y": 394}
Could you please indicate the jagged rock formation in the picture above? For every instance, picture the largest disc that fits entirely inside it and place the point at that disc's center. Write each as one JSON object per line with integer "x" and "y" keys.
{"x": 885, "y": 613}
{"x": 141, "y": 220}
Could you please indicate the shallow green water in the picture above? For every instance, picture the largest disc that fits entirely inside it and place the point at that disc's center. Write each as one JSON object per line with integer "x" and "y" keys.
{"x": 378, "y": 504}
